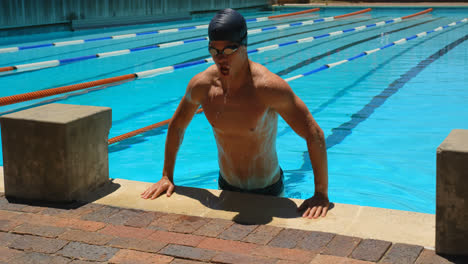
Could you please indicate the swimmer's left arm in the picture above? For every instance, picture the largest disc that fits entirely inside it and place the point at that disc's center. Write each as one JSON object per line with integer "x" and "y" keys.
{"x": 280, "y": 97}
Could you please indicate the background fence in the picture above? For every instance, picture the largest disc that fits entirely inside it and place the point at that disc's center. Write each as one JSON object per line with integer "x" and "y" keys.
{"x": 25, "y": 13}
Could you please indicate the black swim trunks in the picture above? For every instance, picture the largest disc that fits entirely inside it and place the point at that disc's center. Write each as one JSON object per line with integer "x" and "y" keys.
{"x": 274, "y": 190}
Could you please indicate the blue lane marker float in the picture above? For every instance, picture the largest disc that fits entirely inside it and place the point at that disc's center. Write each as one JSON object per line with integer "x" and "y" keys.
{"x": 162, "y": 31}
{"x": 81, "y": 41}
{"x": 365, "y": 53}
{"x": 169, "y": 69}
{"x": 54, "y": 63}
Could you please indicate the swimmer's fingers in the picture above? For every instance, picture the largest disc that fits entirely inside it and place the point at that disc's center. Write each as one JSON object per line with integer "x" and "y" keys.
{"x": 149, "y": 191}
{"x": 318, "y": 212}
{"x": 313, "y": 212}
{"x": 315, "y": 207}
{"x": 306, "y": 213}
{"x": 170, "y": 190}
{"x": 324, "y": 211}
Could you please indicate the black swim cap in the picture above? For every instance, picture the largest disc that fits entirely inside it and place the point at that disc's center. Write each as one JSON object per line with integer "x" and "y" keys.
{"x": 228, "y": 25}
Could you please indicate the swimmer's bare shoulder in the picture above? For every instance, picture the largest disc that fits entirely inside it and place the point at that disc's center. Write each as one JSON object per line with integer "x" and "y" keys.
{"x": 271, "y": 88}
{"x": 199, "y": 85}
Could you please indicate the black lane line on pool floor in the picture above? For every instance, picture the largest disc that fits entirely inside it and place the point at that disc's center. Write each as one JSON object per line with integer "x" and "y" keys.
{"x": 339, "y": 94}
{"x": 331, "y": 52}
{"x": 345, "y": 129}
{"x": 299, "y": 174}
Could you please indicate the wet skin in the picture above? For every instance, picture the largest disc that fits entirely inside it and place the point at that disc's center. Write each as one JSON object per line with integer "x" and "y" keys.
{"x": 242, "y": 99}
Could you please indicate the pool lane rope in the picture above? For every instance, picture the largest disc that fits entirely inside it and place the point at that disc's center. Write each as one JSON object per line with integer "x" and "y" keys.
{"x": 365, "y": 53}
{"x": 54, "y": 63}
{"x": 133, "y": 35}
{"x": 154, "y": 72}
{"x": 324, "y": 67}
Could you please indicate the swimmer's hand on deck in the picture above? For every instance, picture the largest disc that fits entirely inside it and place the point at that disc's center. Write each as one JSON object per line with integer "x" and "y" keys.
{"x": 163, "y": 185}
{"x": 315, "y": 206}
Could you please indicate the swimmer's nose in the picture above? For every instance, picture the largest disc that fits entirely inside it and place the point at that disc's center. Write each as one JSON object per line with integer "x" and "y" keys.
{"x": 221, "y": 58}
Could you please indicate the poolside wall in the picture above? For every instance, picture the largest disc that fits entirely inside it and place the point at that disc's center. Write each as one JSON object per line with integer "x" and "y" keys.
{"x": 28, "y": 13}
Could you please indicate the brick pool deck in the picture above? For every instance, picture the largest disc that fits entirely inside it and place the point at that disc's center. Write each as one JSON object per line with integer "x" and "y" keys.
{"x": 96, "y": 233}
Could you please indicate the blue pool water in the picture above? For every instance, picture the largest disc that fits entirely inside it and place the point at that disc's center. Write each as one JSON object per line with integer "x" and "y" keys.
{"x": 383, "y": 114}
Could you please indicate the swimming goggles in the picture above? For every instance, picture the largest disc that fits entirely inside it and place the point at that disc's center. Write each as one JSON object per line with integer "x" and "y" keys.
{"x": 227, "y": 50}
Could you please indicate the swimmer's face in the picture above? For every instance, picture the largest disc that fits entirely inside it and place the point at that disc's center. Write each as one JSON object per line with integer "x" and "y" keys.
{"x": 228, "y": 56}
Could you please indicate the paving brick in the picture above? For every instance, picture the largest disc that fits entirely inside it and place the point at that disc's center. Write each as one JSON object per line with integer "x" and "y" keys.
{"x": 214, "y": 227}
{"x": 125, "y": 256}
{"x": 296, "y": 255}
{"x": 185, "y": 261}
{"x": 137, "y": 244}
{"x": 7, "y": 215}
{"x": 402, "y": 254}
{"x": 86, "y": 262}
{"x": 33, "y": 209}
{"x": 237, "y": 232}
{"x": 165, "y": 222}
{"x": 6, "y": 205}
{"x": 126, "y": 231}
{"x": 188, "y": 224}
{"x": 39, "y": 258}
{"x": 122, "y": 216}
{"x": 37, "y": 244}
{"x": 282, "y": 261}
{"x": 7, "y": 238}
{"x": 143, "y": 219}
{"x": 54, "y": 211}
{"x": 176, "y": 238}
{"x": 188, "y": 252}
{"x": 262, "y": 235}
{"x": 228, "y": 246}
{"x": 87, "y": 252}
{"x": 39, "y": 230}
{"x": 37, "y": 219}
{"x": 102, "y": 214}
{"x": 226, "y": 257}
{"x": 341, "y": 246}
{"x": 287, "y": 238}
{"x": 72, "y": 223}
{"x": 81, "y": 210}
{"x": 326, "y": 259}
{"x": 7, "y": 254}
{"x": 86, "y": 237}
{"x": 74, "y": 210}
{"x": 430, "y": 257}
{"x": 8, "y": 225}
{"x": 315, "y": 241}
{"x": 371, "y": 250}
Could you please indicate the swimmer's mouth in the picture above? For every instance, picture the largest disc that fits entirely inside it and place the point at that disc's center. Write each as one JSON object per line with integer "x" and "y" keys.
{"x": 224, "y": 70}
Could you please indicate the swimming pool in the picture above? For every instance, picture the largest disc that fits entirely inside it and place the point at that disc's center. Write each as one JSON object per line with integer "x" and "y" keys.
{"x": 383, "y": 114}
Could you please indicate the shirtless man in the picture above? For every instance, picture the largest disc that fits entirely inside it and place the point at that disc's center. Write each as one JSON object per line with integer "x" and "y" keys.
{"x": 241, "y": 100}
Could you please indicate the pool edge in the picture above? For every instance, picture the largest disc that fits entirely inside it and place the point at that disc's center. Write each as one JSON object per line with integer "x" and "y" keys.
{"x": 350, "y": 220}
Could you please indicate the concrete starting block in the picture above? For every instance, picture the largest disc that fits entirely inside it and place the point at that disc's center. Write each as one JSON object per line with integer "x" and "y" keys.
{"x": 452, "y": 194}
{"x": 55, "y": 152}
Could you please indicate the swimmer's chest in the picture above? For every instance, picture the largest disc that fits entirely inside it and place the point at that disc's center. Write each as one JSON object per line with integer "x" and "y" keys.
{"x": 241, "y": 112}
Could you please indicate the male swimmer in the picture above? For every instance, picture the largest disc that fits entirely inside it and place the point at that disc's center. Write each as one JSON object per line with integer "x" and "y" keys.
{"x": 241, "y": 100}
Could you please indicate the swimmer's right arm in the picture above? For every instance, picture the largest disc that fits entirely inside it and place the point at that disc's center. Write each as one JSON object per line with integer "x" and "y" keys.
{"x": 175, "y": 134}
